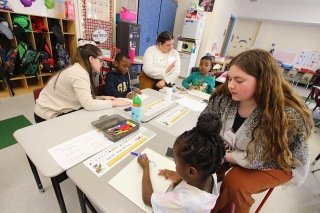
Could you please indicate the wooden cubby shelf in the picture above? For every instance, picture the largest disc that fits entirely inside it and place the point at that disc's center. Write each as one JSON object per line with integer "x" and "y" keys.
{"x": 24, "y": 84}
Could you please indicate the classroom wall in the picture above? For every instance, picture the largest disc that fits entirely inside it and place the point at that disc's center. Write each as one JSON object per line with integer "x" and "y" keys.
{"x": 298, "y": 11}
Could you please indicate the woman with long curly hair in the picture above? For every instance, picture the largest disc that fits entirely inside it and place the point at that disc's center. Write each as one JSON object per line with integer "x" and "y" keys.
{"x": 265, "y": 126}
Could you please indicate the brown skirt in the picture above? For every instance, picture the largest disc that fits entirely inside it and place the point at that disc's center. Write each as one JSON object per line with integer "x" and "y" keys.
{"x": 147, "y": 82}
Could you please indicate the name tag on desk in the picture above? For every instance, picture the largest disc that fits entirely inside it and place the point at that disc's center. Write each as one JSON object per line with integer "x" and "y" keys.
{"x": 230, "y": 137}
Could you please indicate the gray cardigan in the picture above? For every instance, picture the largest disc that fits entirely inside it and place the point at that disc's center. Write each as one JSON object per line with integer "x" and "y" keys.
{"x": 225, "y": 108}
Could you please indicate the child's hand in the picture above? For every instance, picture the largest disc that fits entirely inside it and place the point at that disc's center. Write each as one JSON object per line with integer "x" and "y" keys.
{"x": 129, "y": 95}
{"x": 103, "y": 97}
{"x": 191, "y": 87}
{"x": 136, "y": 90}
{"x": 171, "y": 175}
{"x": 120, "y": 102}
{"x": 143, "y": 161}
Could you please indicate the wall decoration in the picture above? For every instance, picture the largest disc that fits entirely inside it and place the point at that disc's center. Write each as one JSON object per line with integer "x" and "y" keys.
{"x": 4, "y": 5}
{"x": 27, "y": 3}
{"x": 284, "y": 57}
{"x": 99, "y": 35}
{"x": 49, "y": 4}
{"x": 207, "y": 5}
{"x": 309, "y": 59}
{"x": 100, "y": 17}
{"x": 98, "y": 9}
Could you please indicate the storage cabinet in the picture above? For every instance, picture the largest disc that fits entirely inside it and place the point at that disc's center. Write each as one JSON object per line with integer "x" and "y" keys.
{"x": 23, "y": 84}
{"x": 154, "y": 17}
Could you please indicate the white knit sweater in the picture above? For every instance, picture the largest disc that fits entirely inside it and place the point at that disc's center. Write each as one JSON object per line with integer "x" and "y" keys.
{"x": 155, "y": 64}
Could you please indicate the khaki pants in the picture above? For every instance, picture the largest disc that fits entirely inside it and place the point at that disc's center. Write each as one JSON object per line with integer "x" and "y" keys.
{"x": 239, "y": 184}
{"x": 147, "y": 82}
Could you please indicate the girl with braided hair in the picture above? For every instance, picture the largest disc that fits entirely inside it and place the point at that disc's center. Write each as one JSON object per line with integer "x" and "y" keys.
{"x": 198, "y": 153}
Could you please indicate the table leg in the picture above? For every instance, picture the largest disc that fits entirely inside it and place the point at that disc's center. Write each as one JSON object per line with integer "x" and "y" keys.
{"x": 81, "y": 201}
{"x": 36, "y": 175}
{"x": 56, "y": 186}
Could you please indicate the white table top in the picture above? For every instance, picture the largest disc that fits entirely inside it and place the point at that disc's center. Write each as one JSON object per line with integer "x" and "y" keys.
{"x": 153, "y": 97}
{"x": 103, "y": 195}
{"x": 37, "y": 138}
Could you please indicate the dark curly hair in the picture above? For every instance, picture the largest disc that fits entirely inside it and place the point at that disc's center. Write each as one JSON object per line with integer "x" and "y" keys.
{"x": 202, "y": 147}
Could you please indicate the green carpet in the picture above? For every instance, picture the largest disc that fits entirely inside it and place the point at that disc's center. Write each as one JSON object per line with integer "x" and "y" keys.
{"x": 8, "y": 127}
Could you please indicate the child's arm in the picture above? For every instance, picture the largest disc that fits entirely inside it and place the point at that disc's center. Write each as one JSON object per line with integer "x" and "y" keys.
{"x": 147, "y": 189}
{"x": 187, "y": 81}
{"x": 211, "y": 85}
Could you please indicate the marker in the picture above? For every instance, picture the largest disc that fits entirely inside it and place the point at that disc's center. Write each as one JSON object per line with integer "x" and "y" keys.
{"x": 140, "y": 156}
{"x": 136, "y": 154}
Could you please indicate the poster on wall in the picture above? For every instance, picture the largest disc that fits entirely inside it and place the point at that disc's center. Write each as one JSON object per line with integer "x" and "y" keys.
{"x": 309, "y": 59}
{"x": 207, "y": 5}
{"x": 96, "y": 20}
{"x": 48, "y": 8}
{"x": 98, "y": 9}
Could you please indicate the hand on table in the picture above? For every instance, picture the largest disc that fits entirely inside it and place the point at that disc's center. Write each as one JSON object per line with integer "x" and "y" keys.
{"x": 160, "y": 84}
{"x": 171, "y": 175}
{"x": 120, "y": 102}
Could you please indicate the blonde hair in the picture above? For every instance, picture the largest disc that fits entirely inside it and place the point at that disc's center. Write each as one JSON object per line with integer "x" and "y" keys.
{"x": 272, "y": 95}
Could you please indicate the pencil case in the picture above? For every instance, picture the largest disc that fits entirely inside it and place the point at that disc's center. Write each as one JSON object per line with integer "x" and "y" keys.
{"x": 115, "y": 127}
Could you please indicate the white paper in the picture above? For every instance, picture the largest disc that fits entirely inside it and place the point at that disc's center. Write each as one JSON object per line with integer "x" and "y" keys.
{"x": 192, "y": 104}
{"x": 199, "y": 94}
{"x": 131, "y": 187}
{"x": 173, "y": 116}
{"x": 154, "y": 107}
{"x": 143, "y": 97}
{"x": 102, "y": 162}
{"x": 79, "y": 148}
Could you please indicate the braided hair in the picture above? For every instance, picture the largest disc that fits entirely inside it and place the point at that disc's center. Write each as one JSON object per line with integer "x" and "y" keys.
{"x": 202, "y": 147}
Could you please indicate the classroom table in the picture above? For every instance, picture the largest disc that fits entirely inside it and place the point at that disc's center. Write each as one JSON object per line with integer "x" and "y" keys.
{"x": 153, "y": 98}
{"x": 98, "y": 190}
{"x": 38, "y": 138}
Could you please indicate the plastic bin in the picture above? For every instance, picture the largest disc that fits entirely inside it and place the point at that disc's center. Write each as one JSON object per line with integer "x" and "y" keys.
{"x": 115, "y": 127}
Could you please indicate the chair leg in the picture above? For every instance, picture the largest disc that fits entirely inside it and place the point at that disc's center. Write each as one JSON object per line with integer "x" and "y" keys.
{"x": 264, "y": 200}
{"x": 315, "y": 160}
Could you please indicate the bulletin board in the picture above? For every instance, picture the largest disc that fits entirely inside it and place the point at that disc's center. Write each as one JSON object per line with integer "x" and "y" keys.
{"x": 309, "y": 59}
{"x": 97, "y": 15}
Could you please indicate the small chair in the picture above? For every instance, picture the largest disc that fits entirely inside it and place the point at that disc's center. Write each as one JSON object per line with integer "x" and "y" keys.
{"x": 314, "y": 163}
{"x": 36, "y": 93}
{"x": 305, "y": 79}
{"x": 264, "y": 200}
{"x": 291, "y": 76}
{"x": 100, "y": 90}
{"x": 229, "y": 208}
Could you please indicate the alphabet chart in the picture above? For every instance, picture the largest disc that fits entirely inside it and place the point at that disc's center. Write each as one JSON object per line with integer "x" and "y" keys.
{"x": 102, "y": 162}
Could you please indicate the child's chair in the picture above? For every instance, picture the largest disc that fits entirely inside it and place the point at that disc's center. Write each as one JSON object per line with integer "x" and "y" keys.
{"x": 314, "y": 163}
{"x": 305, "y": 79}
{"x": 264, "y": 200}
{"x": 291, "y": 76}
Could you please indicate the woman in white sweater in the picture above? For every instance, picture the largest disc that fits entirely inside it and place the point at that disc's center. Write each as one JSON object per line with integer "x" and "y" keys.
{"x": 73, "y": 88}
{"x": 161, "y": 63}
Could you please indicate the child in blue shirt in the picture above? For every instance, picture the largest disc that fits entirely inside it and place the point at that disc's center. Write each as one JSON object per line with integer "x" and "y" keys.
{"x": 118, "y": 80}
{"x": 201, "y": 80}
